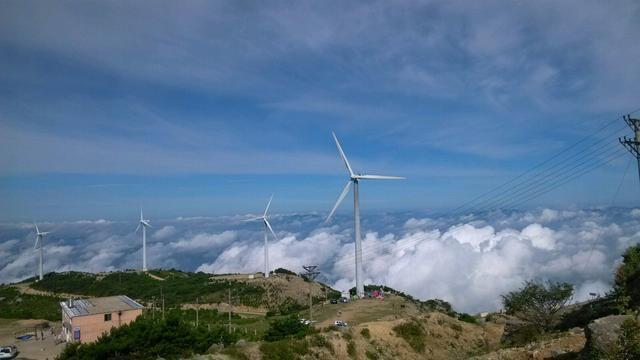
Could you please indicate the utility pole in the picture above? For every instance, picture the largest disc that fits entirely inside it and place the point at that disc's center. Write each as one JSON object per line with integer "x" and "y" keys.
{"x": 311, "y": 273}
{"x": 632, "y": 145}
{"x": 162, "y": 295}
{"x": 229, "y": 312}
{"x": 197, "y": 308}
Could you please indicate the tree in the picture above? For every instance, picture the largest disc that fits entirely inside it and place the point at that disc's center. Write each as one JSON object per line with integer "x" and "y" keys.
{"x": 290, "y": 326}
{"x": 627, "y": 280}
{"x": 538, "y": 303}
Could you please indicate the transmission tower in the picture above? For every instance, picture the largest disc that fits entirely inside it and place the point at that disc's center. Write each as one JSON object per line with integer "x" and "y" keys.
{"x": 633, "y": 145}
{"x": 311, "y": 273}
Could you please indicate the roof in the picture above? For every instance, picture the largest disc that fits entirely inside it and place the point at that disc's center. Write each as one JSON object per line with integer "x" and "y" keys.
{"x": 101, "y": 305}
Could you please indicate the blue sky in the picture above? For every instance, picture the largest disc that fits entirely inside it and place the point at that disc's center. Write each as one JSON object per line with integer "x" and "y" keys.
{"x": 205, "y": 108}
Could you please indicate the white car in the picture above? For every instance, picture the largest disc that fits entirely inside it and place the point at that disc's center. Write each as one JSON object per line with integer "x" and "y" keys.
{"x": 305, "y": 321}
{"x": 340, "y": 323}
{"x": 8, "y": 352}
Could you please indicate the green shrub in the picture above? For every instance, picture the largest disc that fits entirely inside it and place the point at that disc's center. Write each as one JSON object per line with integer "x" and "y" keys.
{"x": 284, "y": 271}
{"x": 522, "y": 336}
{"x": 627, "y": 279}
{"x": 467, "y": 318}
{"x": 351, "y": 349}
{"x": 289, "y": 327}
{"x": 318, "y": 340}
{"x": 538, "y": 303}
{"x": 456, "y": 327}
{"x": 371, "y": 355}
{"x": 148, "y": 338}
{"x": 365, "y": 333}
{"x": 628, "y": 344}
{"x": 413, "y": 333}
{"x": 288, "y": 349}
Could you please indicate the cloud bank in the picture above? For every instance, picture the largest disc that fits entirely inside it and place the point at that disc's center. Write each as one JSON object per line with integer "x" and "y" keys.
{"x": 468, "y": 261}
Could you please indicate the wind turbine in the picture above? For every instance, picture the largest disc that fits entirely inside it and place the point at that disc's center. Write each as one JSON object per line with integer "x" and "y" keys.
{"x": 354, "y": 179}
{"x": 144, "y": 224}
{"x": 267, "y": 229}
{"x": 38, "y": 246}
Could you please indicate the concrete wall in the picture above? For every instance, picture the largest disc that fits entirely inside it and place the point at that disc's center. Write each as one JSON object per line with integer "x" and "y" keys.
{"x": 92, "y": 326}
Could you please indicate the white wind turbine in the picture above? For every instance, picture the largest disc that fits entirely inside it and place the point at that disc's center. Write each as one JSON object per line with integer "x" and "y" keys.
{"x": 267, "y": 229}
{"x": 355, "y": 180}
{"x": 38, "y": 246}
{"x": 144, "y": 224}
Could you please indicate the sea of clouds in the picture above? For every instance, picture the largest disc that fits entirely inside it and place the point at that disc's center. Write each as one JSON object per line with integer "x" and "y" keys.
{"x": 469, "y": 260}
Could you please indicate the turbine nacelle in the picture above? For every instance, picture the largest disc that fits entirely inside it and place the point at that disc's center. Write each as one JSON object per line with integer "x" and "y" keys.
{"x": 265, "y": 219}
{"x": 353, "y": 178}
{"x": 39, "y": 237}
{"x": 143, "y": 222}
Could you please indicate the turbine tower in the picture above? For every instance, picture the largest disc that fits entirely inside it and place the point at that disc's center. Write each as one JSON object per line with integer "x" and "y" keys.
{"x": 267, "y": 229}
{"x": 38, "y": 246}
{"x": 354, "y": 179}
{"x": 144, "y": 224}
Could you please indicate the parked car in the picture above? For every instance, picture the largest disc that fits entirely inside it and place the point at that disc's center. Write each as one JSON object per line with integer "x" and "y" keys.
{"x": 340, "y": 323}
{"x": 305, "y": 321}
{"x": 8, "y": 352}
{"x": 334, "y": 301}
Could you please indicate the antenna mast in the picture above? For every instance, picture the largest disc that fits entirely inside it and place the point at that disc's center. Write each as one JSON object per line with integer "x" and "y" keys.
{"x": 311, "y": 274}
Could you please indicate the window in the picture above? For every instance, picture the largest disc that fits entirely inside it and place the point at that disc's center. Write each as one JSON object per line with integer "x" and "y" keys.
{"x": 107, "y": 317}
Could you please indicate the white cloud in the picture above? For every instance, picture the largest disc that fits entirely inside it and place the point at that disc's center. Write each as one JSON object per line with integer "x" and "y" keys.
{"x": 469, "y": 264}
{"x": 164, "y": 232}
{"x": 540, "y": 236}
{"x": 204, "y": 241}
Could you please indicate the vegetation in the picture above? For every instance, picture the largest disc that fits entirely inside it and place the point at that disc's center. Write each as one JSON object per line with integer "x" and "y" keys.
{"x": 288, "y": 349}
{"x": 351, "y": 349}
{"x": 14, "y": 305}
{"x": 365, "y": 333}
{"x": 284, "y": 271}
{"x": 148, "y": 338}
{"x": 628, "y": 345}
{"x": 413, "y": 333}
{"x": 627, "y": 279}
{"x": 538, "y": 303}
{"x": 288, "y": 327}
{"x": 178, "y": 287}
{"x": 467, "y": 318}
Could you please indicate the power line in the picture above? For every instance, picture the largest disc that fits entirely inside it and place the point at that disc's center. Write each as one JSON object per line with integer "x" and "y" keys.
{"x": 553, "y": 157}
{"x": 567, "y": 177}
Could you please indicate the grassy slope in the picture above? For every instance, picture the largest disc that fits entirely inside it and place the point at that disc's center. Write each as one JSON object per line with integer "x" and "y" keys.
{"x": 14, "y": 305}
{"x": 178, "y": 287}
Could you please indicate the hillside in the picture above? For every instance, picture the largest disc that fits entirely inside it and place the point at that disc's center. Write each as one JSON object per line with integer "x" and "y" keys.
{"x": 263, "y": 319}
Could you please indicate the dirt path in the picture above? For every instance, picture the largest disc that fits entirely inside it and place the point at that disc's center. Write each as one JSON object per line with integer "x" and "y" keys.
{"x": 223, "y": 307}
{"x": 24, "y": 288}
{"x": 155, "y": 277}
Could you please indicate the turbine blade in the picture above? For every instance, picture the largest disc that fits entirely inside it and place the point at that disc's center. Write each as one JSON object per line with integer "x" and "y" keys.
{"x": 141, "y": 217}
{"x": 35, "y": 246}
{"x": 268, "y": 204}
{"x": 379, "y": 177}
{"x": 266, "y": 222}
{"x": 38, "y": 231}
{"x": 340, "y": 198}
{"x": 344, "y": 157}
{"x": 255, "y": 218}
{"x": 146, "y": 223}
{"x": 138, "y": 228}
